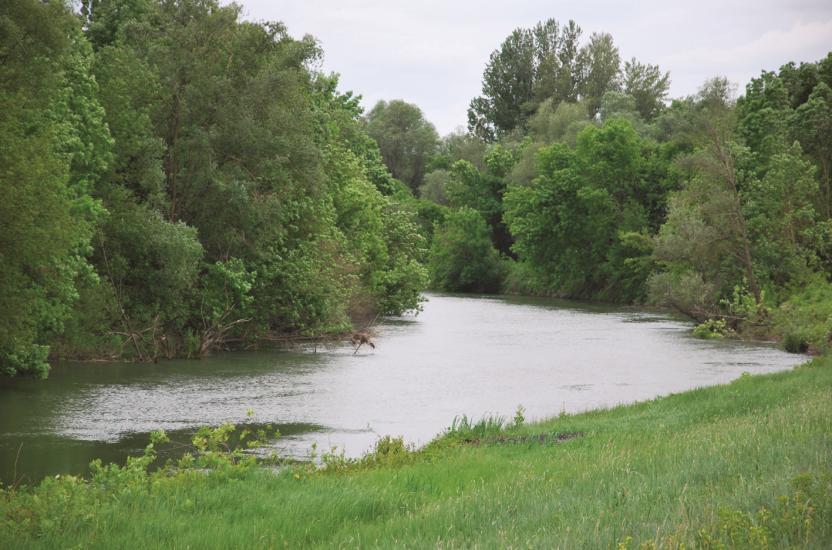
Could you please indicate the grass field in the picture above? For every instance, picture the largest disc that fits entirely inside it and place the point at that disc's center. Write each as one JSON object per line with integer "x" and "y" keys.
{"x": 748, "y": 464}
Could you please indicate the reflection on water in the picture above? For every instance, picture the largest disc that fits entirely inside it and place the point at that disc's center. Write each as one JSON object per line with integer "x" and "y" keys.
{"x": 461, "y": 355}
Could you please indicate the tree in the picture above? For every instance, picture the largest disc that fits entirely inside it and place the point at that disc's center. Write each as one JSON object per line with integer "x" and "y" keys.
{"x": 548, "y": 62}
{"x": 781, "y": 217}
{"x": 530, "y": 66}
{"x": 245, "y": 195}
{"x": 706, "y": 237}
{"x": 558, "y": 121}
{"x": 601, "y": 66}
{"x": 406, "y": 140}
{"x": 811, "y": 125}
{"x": 433, "y": 188}
{"x": 561, "y": 224}
{"x": 647, "y": 85}
{"x": 483, "y": 191}
{"x": 456, "y": 146}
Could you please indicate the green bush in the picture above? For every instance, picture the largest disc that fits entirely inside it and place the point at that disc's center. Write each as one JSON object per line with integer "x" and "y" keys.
{"x": 804, "y": 321}
{"x": 713, "y": 328}
{"x": 523, "y": 279}
{"x": 462, "y": 257}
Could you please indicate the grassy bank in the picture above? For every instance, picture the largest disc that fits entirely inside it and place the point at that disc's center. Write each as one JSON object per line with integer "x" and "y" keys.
{"x": 745, "y": 464}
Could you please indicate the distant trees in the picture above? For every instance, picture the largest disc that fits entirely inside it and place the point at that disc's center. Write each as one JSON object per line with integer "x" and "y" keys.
{"x": 582, "y": 214}
{"x": 600, "y": 71}
{"x": 547, "y": 62}
{"x": 745, "y": 226}
{"x": 647, "y": 85}
{"x": 407, "y": 141}
{"x": 594, "y": 187}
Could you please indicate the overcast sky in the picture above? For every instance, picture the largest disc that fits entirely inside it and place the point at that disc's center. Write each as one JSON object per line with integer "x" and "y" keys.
{"x": 432, "y": 53}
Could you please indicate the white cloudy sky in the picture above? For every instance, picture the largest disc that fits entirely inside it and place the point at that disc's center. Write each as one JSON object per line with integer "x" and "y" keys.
{"x": 432, "y": 53}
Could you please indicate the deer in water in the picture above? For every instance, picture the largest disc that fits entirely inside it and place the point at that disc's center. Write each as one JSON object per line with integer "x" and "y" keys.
{"x": 359, "y": 339}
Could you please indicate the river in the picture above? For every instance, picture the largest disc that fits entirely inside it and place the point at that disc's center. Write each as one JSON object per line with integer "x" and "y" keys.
{"x": 471, "y": 355}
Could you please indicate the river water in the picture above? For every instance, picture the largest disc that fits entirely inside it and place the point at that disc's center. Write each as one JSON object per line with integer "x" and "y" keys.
{"x": 471, "y": 355}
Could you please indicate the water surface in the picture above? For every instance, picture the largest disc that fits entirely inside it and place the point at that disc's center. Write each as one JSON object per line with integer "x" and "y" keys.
{"x": 472, "y": 355}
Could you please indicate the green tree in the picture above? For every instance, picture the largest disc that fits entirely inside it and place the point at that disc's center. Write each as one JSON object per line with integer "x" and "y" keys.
{"x": 433, "y": 188}
{"x": 530, "y": 66}
{"x": 483, "y": 191}
{"x": 647, "y": 85}
{"x": 811, "y": 124}
{"x": 601, "y": 66}
{"x": 781, "y": 218}
{"x": 558, "y": 121}
{"x": 706, "y": 238}
{"x": 561, "y": 224}
{"x": 406, "y": 140}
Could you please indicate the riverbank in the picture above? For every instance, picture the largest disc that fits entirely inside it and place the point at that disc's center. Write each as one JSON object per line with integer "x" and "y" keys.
{"x": 739, "y": 463}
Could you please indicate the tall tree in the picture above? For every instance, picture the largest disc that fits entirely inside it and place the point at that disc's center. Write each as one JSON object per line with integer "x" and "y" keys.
{"x": 647, "y": 85}
{"x": 406, "y": 139}
{"x": 811, "y": 124}
{"x": 601, "y": 66}
{"x": 530, "y": 66}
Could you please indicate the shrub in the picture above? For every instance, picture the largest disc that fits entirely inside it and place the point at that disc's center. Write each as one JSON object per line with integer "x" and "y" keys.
{"x": 713, "y": 328}
{"x": 462, "y": 257}
{"x": 804, "y": 321}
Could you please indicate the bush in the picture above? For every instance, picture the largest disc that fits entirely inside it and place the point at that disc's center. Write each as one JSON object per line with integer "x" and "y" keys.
{"x": 462, "y": 257}
{"x": 686, "y": 292}
{"x": 713, "y": 328}
{"x": 523, "y": 279}
{"x": 804, "y": 321}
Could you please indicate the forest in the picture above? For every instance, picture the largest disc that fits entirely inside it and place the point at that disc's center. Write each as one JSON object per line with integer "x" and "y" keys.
{"x": 176, "y": 179}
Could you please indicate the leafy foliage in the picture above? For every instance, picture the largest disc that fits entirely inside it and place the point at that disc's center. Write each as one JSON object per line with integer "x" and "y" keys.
{"x": 406, "y": 140}
{"x": 193, "y": 182}
{"x": 462, "y": 257}
{"x": 55, "y": 147}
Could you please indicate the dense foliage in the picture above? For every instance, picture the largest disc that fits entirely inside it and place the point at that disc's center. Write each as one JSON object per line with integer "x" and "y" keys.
{"x": 176, "y": 179}
{"x": 407, "y": 141}
{"x": 462, "y": 257}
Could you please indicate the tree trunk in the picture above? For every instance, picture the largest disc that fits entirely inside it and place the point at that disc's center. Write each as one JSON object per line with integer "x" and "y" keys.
{"x": 170, "y": 143}
{"x": 727, "y": 162}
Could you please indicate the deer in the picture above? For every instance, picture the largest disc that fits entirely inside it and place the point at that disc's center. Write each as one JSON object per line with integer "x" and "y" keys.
{"x": 358, "y": 339}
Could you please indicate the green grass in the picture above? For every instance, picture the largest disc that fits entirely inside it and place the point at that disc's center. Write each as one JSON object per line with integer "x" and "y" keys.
{"x": 747, "y": 464}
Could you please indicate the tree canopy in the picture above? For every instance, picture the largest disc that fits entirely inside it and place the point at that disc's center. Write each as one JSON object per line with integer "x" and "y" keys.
{"x": 406, "y": 140}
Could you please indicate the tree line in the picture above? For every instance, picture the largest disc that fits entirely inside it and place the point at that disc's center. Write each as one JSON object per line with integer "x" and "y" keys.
{"x": 176, "y": 180}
